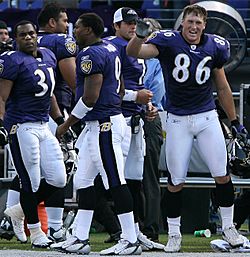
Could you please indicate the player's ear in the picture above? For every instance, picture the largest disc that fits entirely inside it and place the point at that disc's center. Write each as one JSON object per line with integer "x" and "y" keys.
{"x": 204, "y": 25}
{"x": 52, "y": 22}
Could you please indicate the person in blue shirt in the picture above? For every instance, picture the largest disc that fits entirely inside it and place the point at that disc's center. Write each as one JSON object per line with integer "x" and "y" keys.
{"x": 192, "y": 61}
{"x": 154, "y": 82}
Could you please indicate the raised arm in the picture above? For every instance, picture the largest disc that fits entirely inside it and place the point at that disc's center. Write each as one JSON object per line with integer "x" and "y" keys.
{"x": 137, "y": 48}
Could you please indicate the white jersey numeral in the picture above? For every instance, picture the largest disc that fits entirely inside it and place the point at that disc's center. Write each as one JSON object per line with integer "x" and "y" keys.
{"x": 181, "y": 71}
{"x": 42, "y": 80}
{"x": 118, "y": 72}
{"x": 142, "y": 62}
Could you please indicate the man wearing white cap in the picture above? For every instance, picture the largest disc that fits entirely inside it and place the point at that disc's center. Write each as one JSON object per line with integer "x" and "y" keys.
{"x": 136, "y": 102}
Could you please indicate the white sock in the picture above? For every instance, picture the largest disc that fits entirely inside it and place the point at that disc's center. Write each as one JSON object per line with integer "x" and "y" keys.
{"x": 227, "y": 216}
{"x": 55, "y": 216}
{"x": 13, "y": 198}
{"x": 84, "y": 220}
{"x": 137, "y": 229}
{"x": 127, "y": 226}
{"x": 34, "y": 227}
{"x": 174, "y": 225}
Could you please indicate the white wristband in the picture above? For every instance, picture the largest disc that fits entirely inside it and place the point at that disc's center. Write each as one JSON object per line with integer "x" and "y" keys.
{"x": 130, "y": 95}
{"x": 80, "y": 109}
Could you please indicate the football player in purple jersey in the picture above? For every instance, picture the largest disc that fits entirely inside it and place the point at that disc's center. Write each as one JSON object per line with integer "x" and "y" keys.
{"x": 27, "y": 80}
{"x": 190, "y": 59}
{"x": 133, "y": 108}
{"x": 52, "y": 34}
{"x": 53, "y": 22}
{"x": 98, "y": 68}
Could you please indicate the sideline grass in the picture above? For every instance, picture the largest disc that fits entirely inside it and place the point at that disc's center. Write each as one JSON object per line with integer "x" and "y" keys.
{"x": 189, "y": 244}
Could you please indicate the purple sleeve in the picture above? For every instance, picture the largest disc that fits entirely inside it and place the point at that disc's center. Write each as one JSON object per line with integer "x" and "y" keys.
{"x": 66, "y": 47}
{"x": 8, "y": 68}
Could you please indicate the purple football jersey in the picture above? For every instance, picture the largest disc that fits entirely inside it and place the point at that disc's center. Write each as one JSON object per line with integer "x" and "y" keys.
{"x": 34, "y": 81}
{"x": 187, "y": 69}
{"x": 100, "y": 58}
{"x": 133, "y": 71}
{"x": 63, "y": 46}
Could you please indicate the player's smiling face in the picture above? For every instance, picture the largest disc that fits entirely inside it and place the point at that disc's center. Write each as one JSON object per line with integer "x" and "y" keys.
{"x": 192, "y": 28}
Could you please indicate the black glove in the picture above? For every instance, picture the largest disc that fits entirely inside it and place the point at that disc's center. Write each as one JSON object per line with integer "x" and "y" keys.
{"x": 3, "y": 134}
{"x": 238, "y": 130}
{"x": 143, "y": 29}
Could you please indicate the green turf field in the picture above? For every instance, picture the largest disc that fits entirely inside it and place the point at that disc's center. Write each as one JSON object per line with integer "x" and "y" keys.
{"x": 190, "y": 243}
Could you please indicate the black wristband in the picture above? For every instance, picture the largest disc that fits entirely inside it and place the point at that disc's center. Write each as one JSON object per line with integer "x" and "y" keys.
{"x": 141, "y": 37}
{"x": 1, "y": 123}
{"x": 59, "y": 120}
{"x": 235, "y": 122}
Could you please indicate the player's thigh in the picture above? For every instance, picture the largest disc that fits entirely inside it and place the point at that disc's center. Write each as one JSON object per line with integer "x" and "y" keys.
{"x": 110, "y": 145}
{"x": 86, "y": 170}
{"x": 179, "y": 141}
{"x": 52, "y": 160}
{"x": 211, "y": 143}
{"x": 26, "y": 155}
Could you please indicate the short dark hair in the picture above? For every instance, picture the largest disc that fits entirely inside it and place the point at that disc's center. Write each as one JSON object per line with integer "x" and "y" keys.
{"x": 51, "y": 10}
{"x": 197, "y": 10}
{"x": 3, "y": 25}
{"x": 94, "y": 21}
{"x": 24, "y": 22}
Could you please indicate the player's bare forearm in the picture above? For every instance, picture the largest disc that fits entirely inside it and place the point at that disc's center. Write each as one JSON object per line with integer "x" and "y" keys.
{"x": 54, "y": 109}
{"x": 134, "y": 46}
{"x": 227, "y": 103}
{"x": 63, "y": 128}
{"x": 224, "y": 93}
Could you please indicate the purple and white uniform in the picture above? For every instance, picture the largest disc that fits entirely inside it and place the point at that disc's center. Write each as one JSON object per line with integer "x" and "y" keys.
{"x": 63, "y": 46}
{"x": 100, "y": 142}
{"x": 26, "y": 118}
{"x": 187, "y": 71}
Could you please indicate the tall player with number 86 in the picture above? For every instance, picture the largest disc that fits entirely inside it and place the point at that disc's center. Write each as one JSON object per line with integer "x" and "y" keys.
{"x": 190, "y": 59}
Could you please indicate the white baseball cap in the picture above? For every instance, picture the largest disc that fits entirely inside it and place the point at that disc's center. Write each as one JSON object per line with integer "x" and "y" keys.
{"x": 125, "y": 14}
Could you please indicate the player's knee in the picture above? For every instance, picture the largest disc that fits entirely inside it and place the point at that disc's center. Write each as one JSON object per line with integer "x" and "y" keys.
{"x": 222, "y": 179}
{"x": 58, "y": 181}
{"x": 83, "y": 183}
{"x": 175, "y": 188}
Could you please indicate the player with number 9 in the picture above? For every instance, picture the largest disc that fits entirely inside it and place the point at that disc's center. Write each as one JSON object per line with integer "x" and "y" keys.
{"x": 190, "y": 59}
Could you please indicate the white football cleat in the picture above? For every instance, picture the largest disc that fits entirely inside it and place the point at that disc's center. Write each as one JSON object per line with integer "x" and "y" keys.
{"x": 173, "y": 244}
{"x": 147, "y": 244}
{"x": 232, "y": 236}
{"x": 16, "y": 215}
{"x": 123, "y": 247}
{"x": 39, "y": 239}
